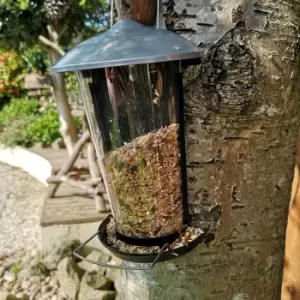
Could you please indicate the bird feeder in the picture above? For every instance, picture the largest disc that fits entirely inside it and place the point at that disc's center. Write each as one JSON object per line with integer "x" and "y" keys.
{"x": 131, "y": 83}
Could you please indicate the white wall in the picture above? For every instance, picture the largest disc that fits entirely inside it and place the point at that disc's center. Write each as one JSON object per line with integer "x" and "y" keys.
{"x": 36, "y": 165}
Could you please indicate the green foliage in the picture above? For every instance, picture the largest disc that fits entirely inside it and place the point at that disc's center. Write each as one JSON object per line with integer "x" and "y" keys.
{"x": 15, "y": 116}
{"x": 26, "y": 20}
{"x": 19, "y": 25}
{"x": 78, "y": 123}
{"x": 15, "y": 134}
{"x": 54, "y": 25}
{"x": 23, "y": 4}
{"x": 16, "y": 268}
{"x": 34, "y": 60}
{"x": 45, "y": 129}
{"x": 14, "y": 66}
{"x": 17, "y": 109}
{"x": 26, "y": 121}
{"x": 74, "y": 95}
{"x": 71, "y": 82}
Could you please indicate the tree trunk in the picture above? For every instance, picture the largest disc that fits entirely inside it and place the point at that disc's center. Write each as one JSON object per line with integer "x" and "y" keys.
{"x": 67, "y": 128}
{"x": 242, "y": 113}
{"x": 143, "y": 11}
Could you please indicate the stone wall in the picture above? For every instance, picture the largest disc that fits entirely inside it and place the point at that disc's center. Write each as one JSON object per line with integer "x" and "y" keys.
{"x": 56, "y": 275}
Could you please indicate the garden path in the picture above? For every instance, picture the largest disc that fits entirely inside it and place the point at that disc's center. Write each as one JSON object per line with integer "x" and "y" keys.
{"x": 21, "y": 201}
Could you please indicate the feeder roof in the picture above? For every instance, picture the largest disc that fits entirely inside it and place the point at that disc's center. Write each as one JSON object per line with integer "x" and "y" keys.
{"x": 127, "y": 43}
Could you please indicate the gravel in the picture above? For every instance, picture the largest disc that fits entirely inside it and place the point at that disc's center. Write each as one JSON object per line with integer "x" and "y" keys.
{"x": 21, "y": 200}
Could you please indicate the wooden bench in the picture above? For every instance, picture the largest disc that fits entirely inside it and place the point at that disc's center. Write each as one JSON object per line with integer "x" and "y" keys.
{"x": 70, "y": 206}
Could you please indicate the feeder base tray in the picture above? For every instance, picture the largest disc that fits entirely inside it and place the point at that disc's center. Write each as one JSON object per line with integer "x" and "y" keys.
{"x": 168, "y": 251}
{"x": 146, "y": 242}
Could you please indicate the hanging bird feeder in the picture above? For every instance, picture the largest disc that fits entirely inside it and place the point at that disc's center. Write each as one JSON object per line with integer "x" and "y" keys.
{"x": 131, "y": 83}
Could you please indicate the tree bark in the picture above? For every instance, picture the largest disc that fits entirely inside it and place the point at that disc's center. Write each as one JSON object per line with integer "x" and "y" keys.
{"x": 143, "y": 11}
{"x": 67, "y": 128}
{"x": 242, "y": 113}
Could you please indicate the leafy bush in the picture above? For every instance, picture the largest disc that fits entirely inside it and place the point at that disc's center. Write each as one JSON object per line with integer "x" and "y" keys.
{"x": 34, "y": 60}
{"x": 15, "y": 134}
{"x": 78, "y": 124}
{"x": 45, "y": 129}
{"x": 11, "y": 82}
{"x": 27, "y": 121}
{"x": 14, "y": 66}
{"x": 72, "y": 87}
{"x": 15, "y": 116}
{"x": 18, "y": 108}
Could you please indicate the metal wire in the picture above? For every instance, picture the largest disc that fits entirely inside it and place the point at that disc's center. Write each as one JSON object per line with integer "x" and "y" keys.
{"x": 157, "y": 13}
{"x": 112, "y": 13}
{"x": 122, "y": 267}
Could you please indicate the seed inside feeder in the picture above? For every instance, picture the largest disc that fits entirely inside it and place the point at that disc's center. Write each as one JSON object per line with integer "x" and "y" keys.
{"x": 188, "y": 235}
{"x": 146, "y": 176}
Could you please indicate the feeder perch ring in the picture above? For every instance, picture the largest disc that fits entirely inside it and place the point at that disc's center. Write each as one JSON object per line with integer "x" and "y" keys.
{"x": 166, "y": 252}
{"x": 102, "y": 264}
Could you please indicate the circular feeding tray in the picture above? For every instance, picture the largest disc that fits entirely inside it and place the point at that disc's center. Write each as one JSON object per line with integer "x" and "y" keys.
{"x": 187, "y": 241}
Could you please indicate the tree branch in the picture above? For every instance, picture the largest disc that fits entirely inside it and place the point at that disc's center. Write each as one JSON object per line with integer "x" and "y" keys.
{"x": 51, "y": 44}
{"x": 52, "y": 33}
{"x": 58, "y": 179}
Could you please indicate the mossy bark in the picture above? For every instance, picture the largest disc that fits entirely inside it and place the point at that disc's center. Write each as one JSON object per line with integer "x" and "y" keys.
{"x": 242, "y": 114}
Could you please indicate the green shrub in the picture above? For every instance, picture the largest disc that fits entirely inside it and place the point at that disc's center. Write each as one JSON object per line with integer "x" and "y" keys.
{"x": 78, "y": 124}
{"x": 25, "y": 122}
{"x": 45, "y": 129}
{"x": 13, "y": 67}
{"x": 34, "y": 60}
{"x": 18, "y": 108}
{"x": 74, "y": 94}
{"x": 16, "y": 134}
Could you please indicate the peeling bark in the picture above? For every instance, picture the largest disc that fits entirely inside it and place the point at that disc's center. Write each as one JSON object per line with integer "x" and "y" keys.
{"x": 242, "y": 113}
